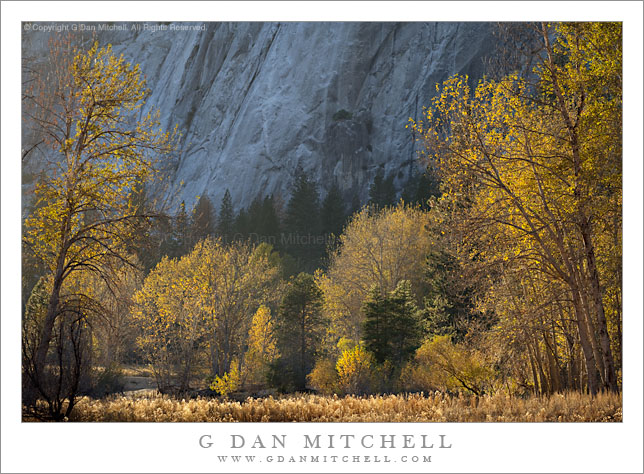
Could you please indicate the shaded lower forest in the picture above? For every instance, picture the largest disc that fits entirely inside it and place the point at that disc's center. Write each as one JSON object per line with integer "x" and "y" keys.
{"x": 496, "y": 272}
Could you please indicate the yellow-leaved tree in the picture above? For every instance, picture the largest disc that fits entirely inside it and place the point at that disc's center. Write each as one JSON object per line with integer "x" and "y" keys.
{"x": 531, "y": 174}
{"x": 378, "y": 248}
{"x": 99, "y": 152}
{"x": 262, "y": 347}
{"x": 171, "y": 323}
{"x": 200, "y": 307}
{"x": 356, "y": 371}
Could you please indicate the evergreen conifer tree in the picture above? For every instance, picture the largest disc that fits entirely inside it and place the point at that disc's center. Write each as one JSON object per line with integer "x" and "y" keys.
{"x": 300, "y": 328}
{"x": 263, "y": 222}
{"x": 382, "y": 192}
{"x": 270, "y": 222}
{"x": 420, "y": 188}
{"x": 332, "y": 215}
{"x": 392, "y": 330}
{"x": 448, "y": 302}
{"x": 226, "y": 218}
{"x": 302, "y": 223}
{"x": 203, "y": 219}
{"x": 241, "y": 226}
{"x": 181, "y": 237}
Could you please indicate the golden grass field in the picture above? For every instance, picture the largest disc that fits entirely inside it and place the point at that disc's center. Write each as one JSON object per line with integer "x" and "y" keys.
{"x": 572, "y": 407}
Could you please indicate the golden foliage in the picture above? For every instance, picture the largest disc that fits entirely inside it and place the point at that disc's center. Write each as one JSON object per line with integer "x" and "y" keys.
{"x": 441, "y": 365}
{"x": 207, "y": 299}
{"x": 262, "y": 347}
{"x": 531, "y": 175}
{"x": 355, "y": 369}
{"x": 324, "y": 377}
{"x": 84, "y": 205}
{"x": 227, "y": 383}
{"x": 378, "y": 248}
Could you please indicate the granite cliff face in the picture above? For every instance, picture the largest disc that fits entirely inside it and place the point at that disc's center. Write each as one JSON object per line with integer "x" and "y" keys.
{"x": 257, "y": 100}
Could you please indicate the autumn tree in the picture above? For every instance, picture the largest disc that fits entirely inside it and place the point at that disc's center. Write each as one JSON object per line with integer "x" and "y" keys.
{"x": 71, "y": 351}
{"x": 172, "y": 327}
{"x": 533, "y": 175}
{"x": 440, "y": 364}
{"x": 112, "y": 327}
{"x": 199, "y": 308}
{"x": 378, "y": 248}
{"x": 356, "y": 371}
{"x": 233, "y": 282}
{"x": 262, "y": 347}
{"x": 99, "y": 153}
{"x": 89, "y": 338}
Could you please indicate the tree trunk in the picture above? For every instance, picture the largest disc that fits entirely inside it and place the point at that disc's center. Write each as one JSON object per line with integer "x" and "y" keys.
{"x": 50, "y": 319}
{"x": 302, "y": 376}
{"x": 553, "y": 368}
{"x": 591, "y": 368}
{"x": 545, "y": 383}
{"x": 599, "y": 361}
{"x": 534, "y": 373}
{"x": 610, "y": 378}
{"x": 214, "y": 357}
{"x": 573, "y": 135}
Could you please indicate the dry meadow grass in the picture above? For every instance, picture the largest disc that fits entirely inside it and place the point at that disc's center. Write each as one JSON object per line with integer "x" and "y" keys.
{"x": 572, "y": 407}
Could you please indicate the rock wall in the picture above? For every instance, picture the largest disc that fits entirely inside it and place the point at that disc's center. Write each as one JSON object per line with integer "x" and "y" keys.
{"x": 257, "y": 100}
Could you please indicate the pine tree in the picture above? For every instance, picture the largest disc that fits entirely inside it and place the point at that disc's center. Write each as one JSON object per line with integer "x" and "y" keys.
{"x": 226, "y": 218}
{"x": 428, "y": 186}
{"x": 241, "y": 226}
{"x": 377, "y": 312}
{"x": 181, "y": 231}
{"x": 382, "y": 192}
{"x": 420, "y": 188}
{"x": 356, "y": 204}
{"x": 448, "y": 302}
{"x": 332, "y": 215}
{"x": 203, "y": 219}
{"x": 392, "y": 331}
{"x": 263, "y": 222}
{"x": 270, "y": 224}
{"x": 303, "y": 210}
{"x": 300, "y": 328}
{"x": 302, "y": 223}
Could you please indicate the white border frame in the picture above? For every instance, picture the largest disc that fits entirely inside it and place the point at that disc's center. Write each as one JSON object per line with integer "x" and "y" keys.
{"x": 477, "y": 447}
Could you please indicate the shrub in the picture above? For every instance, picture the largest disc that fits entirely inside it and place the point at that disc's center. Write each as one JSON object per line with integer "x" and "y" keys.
{"x": 228, "y": 383}
{"x": 342, "y": 115}
{"x": 324, "y": 377}
{"x": 355, "y": 371}
{"x": 109, "y": 380}
{"x": 443, "y": 365}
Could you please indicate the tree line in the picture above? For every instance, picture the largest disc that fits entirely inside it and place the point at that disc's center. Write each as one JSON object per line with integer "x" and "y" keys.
{"x": 498, "y": 270}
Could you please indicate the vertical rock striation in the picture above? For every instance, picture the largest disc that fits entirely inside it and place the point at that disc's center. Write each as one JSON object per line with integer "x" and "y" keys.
{"x": 257, "y": 100}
